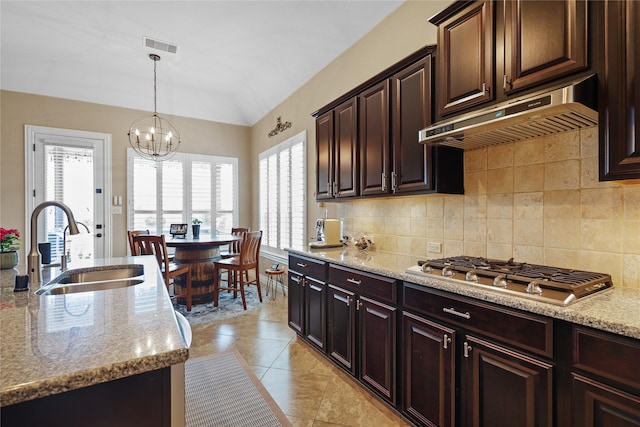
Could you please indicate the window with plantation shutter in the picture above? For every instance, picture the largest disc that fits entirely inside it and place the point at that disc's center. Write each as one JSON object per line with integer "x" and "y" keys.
{"x": 178, "y": 190}
{"x": 283, "y": 176}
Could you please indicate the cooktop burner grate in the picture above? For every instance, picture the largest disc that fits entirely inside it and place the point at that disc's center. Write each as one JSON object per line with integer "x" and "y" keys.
{"x": 552, "y": 284}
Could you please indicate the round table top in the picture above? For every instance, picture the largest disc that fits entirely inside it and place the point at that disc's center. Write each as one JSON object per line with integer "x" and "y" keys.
{"x": 203, "y": 240}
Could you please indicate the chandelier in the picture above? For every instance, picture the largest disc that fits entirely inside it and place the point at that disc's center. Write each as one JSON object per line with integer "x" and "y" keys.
{"x": 153, "y": 137}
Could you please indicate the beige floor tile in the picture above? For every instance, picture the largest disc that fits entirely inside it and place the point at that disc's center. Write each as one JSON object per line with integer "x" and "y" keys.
{"x": 297, "y": 393}
{"x": 310, "y": 390}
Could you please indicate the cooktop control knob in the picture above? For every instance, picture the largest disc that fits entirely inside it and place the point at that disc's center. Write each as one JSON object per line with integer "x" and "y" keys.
{"x": 534, "y": 288}
{"x": 500, "y": 281}
{"x": 447, "y": 271}
{"x": 471, "y": 276}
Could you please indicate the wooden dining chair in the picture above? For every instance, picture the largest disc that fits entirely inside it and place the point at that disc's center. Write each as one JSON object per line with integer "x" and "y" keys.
{"x": 234, "y": 247}
{"x": 236, "y": 267}
{"x": 145, "y": 244}
{"x": 131, "y": 234}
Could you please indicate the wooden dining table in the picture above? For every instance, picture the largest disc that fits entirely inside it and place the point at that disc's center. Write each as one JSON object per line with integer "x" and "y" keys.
{"x": 200, "y": 253}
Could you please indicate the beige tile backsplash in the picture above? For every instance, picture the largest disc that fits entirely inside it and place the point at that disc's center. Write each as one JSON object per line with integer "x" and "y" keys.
{"x": 537, "y": 201}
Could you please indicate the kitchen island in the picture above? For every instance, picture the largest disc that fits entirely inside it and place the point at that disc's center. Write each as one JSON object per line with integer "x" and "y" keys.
{"x": 57, "y": 345}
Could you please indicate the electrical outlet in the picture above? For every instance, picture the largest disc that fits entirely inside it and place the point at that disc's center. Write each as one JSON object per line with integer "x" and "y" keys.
{"x": 435, "y": 247}
{"x": 116, "y": 210}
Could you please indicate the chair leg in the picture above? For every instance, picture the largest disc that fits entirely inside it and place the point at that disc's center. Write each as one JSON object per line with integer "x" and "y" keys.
{"x": 244, "y": 301}
{"x": 258, "y": 285}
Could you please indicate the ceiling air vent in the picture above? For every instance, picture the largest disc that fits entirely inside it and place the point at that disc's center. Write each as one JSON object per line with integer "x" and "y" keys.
{"x": 159, "y": 45}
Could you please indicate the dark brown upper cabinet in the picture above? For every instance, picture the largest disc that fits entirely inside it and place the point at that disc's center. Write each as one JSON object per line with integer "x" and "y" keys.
{"x": 466, "y": 56}
{"x": 489, "y": 49}
{"x": 337, "y": 152}
{"x": 619, "y": 98}
{"x": 324, "y": 156}
{"x": 375, "y": 158}
{"x": 543, "y": 40}
{"x": 367, "y": 140}
{"x": 411, "y": 111}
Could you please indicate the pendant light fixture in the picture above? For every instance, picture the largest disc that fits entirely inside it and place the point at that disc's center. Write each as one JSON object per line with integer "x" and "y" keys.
{"x": 153, "y": 137}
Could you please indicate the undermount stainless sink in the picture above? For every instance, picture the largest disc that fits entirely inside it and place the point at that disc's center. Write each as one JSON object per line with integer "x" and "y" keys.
{"x": 94, "y": 279}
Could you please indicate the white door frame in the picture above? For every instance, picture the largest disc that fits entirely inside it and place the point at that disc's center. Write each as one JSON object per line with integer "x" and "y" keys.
{"x": 102, "y": 143}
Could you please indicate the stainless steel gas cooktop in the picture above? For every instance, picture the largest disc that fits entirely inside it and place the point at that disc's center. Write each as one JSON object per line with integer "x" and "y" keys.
{"x": 554, "y": 285}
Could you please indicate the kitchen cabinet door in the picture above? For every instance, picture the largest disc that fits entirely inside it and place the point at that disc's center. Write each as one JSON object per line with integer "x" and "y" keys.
{"x": 501, "y": 387}
{"x": 466, "y": 57}
{"x": 619, "y": 98}
{"x": 324, "y": 156}
{"x": 598, "y": 405}
{"x": 346, "y": 150}
{"x": 377, "y": 346}
{"x": 374, "y": 140}
{"x": 428, "y": 371}
{"x": 410, "y": 112}
{"x": 543, "y": 40}
{"x": 341, "y": 316}
{"x": 315, "y": 312}
{"x": 295, "y": 302}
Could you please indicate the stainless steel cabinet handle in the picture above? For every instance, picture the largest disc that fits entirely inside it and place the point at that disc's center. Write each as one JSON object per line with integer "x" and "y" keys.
{"x": 384, "y": 181}
{"x": 330, "y": 188}
{"x": 348, "y": 301}
{"x": 295, "y": 279}
{"x": 446, "y": 341}
{"x": 394, "y": 184}
{"x": 505, "y": 81}
{"x": 467, "y": 349}
{"x": 453, "y": 311}
{"x": 354, "y": 281}
{"x": 485, "y": 88}
{"x": 358, "y": 304}
{"x": 335, "y": 188}
{"x": 299, "y": 264}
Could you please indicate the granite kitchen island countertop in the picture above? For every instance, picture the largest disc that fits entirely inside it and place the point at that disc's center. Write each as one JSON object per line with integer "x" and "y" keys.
{"x": 51, "y": 344}
{"x": 615, "y": 310}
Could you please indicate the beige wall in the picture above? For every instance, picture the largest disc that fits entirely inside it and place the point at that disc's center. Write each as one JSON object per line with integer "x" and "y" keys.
{"x": 538, "y": 201}
{"x": 20, "y": 109}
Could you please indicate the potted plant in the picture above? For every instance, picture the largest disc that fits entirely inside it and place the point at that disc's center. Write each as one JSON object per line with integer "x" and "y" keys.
{"x": 195, "y": 227}
{"x": 9, "y": 239}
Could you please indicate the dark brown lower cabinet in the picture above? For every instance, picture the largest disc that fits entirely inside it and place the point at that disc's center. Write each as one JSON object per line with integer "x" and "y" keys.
{"x": 363, "y": 329}
{"x": 341, "y": 310}
{"x": 504, "y": 388}
{"x": 295, "y": 301}
{"x": 428, "y": 371}
{"x": 315, "y": 312}
{"x": 599, "y": 405}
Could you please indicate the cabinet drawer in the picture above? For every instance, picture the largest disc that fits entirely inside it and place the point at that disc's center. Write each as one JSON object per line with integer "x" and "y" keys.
{"x": 610, "y": 356}
{"x": 524, "y": 330}
{"x": 363, "y": 283}
{"x": 308, "y": 267}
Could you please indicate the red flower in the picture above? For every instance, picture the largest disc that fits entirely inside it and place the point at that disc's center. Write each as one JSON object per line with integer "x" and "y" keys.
{"x": 9, "y": 239}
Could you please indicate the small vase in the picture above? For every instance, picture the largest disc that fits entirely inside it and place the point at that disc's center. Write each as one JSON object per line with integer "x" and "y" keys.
{"x": 8, "y": 259}
{"x": 195, "y": 228}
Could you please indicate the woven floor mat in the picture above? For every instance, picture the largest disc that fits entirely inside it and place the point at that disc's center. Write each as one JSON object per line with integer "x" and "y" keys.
{"x": 222, "y": 391}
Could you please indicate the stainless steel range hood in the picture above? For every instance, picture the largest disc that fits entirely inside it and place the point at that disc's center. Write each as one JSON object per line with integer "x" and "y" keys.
{"x": 546, "y": 112}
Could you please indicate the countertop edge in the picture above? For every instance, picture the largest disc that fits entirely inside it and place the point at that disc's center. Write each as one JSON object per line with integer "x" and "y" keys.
{"x": 37, "y": 389}
{"x": 573, "y": 313}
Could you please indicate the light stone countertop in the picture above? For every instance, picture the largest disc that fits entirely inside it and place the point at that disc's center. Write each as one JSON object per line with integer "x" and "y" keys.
{"x": 615, "y": 310}
{"x": 55, "y": 343}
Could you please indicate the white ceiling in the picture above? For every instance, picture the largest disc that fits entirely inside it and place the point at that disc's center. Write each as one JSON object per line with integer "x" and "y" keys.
{"x": 236, "y": 60}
